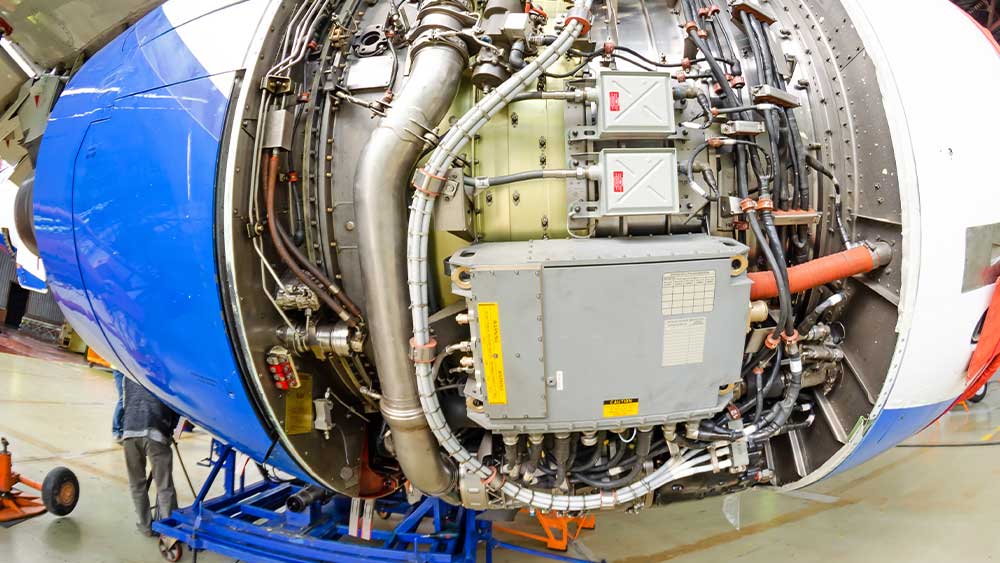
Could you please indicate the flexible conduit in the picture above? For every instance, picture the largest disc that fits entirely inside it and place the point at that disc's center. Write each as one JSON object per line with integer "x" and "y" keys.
{"x": 689, "y": 463}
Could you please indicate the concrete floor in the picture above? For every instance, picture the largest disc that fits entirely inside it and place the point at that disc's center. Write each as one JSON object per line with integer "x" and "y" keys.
{"x": 910, "y": 505}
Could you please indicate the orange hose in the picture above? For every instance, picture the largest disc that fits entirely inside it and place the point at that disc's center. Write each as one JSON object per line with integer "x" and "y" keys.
{"x": 815, "y": 273}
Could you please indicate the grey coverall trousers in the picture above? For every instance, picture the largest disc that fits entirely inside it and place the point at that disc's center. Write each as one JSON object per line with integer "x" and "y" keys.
{"x": 161, "y": 458}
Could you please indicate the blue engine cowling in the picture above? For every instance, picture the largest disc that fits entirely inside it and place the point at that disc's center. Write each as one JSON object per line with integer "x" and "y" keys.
{"x": 125, "y": 211}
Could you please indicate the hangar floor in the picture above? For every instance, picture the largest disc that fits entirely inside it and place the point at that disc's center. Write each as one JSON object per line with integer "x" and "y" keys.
{"x": 912, "y": 504}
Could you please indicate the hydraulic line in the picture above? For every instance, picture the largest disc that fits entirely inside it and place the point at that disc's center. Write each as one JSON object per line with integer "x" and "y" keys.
{"x": 271, "y": 179}
{"x": 331, "y": 287}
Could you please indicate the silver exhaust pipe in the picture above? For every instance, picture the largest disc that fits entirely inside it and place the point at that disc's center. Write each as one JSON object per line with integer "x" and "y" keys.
{"x": 383, "y": 175}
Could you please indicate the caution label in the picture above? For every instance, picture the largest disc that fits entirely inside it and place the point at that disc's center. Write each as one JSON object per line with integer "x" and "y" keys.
{"x": 621, "y": 407}
{"x": 489, "y": 335}
{"x": 299, "y": 407}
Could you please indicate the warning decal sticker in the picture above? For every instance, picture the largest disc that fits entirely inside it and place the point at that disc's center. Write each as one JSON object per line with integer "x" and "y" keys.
{"x": 685, "y": 293}
{"x": 489, "y": 334}
{"x": 683, "y": 341}
{"x": 621, "y": 407}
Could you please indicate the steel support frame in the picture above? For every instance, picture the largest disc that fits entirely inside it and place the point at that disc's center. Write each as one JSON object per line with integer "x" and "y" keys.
{"x": 250, "y": 523}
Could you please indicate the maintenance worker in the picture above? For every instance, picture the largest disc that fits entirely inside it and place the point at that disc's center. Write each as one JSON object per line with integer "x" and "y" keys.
{"x": 147, "y": 432}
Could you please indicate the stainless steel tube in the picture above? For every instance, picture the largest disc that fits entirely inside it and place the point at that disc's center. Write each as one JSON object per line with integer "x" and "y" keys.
{"x": 383, "y": 175}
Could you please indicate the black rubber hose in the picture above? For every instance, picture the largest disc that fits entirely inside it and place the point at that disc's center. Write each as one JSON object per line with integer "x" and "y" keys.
{"x": 758, "y": 376}
{"x": 598, "y": 473}
{"x": 560, "y": 451}
{"x": 731, "y": 98}
{"x": 776, "y": 356}
{"x": 797, "y": 150}
{"x": 643, "y": 443}
{"x": 534, "y": 455}
{"x": 578, "y": 68}
{"x": 774, "y": 260}
{"x": 595, "y": 455}
{"x": 651, "y": 62}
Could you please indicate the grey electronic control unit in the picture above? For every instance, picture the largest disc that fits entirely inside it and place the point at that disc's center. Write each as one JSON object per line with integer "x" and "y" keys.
{"x": 638, "y": 182}
{"x": 576, "y": 335}
{"x": 634, "y": 105}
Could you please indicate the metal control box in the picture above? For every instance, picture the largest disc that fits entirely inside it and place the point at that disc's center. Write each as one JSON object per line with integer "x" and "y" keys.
{"x": 639, "y": 182}
{"x": 573, "y": 335}
{"x": 635, "y": 105}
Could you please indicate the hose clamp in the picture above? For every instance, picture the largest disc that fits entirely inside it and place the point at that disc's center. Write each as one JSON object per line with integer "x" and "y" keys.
{"x": 431, "y": 180}
{"x": 748, "y": 204}
{"x": 791, "y": 338}
{"x": 423, "y": 354}
{"x": 772, "y": 341}
{"x": 609, "y": 499}
{"x": 689, "y": 26}
{"x": 581, "y": 15}
{"x": 765, "y": 204}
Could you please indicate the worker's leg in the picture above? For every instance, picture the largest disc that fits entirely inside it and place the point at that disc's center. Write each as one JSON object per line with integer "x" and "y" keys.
{"x": 119, "y": 415}
{"x": 135, "y": 465}
{"x": 162, "y": 459}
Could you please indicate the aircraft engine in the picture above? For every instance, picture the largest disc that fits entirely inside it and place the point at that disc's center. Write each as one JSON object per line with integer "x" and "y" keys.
{"x": 567, "y": 255}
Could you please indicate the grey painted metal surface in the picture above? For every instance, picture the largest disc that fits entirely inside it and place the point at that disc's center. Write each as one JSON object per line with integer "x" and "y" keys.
{"x": 54, "y": 32}
{"x": 639, "y": 182}
{"x": 635, "y": 105}
{"x": 604, "y": 333}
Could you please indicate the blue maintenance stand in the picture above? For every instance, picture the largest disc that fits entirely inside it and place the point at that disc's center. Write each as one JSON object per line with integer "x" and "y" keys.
{"x": 251, "y": 523}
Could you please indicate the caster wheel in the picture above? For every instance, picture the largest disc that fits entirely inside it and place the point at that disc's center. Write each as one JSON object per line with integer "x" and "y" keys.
{"x": 171, "y": 549}
{"x": 980, "y": 395}
{"x": 60, "y": 491}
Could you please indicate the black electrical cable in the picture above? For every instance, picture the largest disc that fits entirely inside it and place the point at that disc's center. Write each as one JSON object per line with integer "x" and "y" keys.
{"x": 576, "y": 69}
{"x": 795, "y": 140}
{"x": 759, "y": 389}
{"x": 773, "y": 131}
{"x": 630, "y": 60}
{"x": 649, "y": 61}
{"x": 643, "y": 443}
{"x": 774, "y": 259}
{"x": 838, "y": 210}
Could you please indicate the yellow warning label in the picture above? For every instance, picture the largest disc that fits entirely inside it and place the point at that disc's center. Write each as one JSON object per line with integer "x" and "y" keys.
{"x": 621, "y": 407}
{"x": 299, "y": 407}
{"x": 489, "y": 334}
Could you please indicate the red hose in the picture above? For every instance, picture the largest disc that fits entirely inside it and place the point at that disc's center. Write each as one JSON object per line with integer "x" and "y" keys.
{"x": 815, "y": 273}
